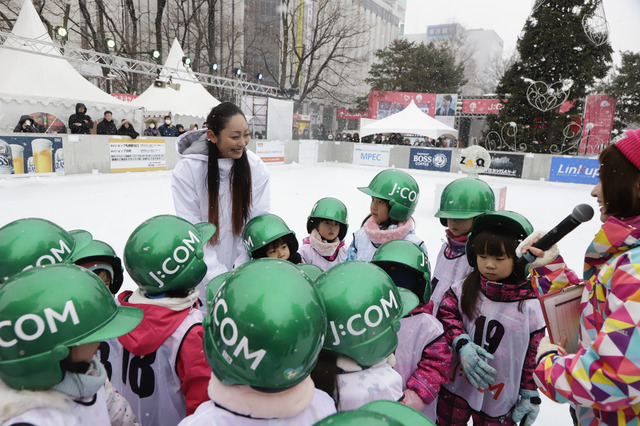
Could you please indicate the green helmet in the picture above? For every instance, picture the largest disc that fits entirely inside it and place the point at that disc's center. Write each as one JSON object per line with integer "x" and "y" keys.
{"x": 364, "y": 308}
{"x": 311, "y": 270}
{"x": 165, "y": 253}
{"x": 359, "y": 418}
{"x": 100, "y": 255}
{"x": 509, "y": 221}
{"x": 264, "y": 229}
{"x": 44, "y": 311}
{"x": 29, "y": 242}
{"x": 397, "y": 187}
{"x": 266, "y": 326}
{"x": 380, "y": 412}
{"x": 332, "y": 209}
{"x": 407, "y": 265}
{"x": 212, "y": 288}
{"x": 465, "y": 198}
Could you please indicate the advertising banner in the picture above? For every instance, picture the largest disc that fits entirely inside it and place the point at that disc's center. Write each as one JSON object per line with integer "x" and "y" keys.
{"x": 430, "y": 159}
{"x": 271, "y": 151}
{"x": 504, "y": 164}
{"x": 31, "y": 154}
{"x": 574, "y": 169}
{"x": 597, "y": 123}
{"x": 384, "y": 104}
{"x": 124, "y": 96}
{"x": 481, "y": 106}
{"x": 136, "y": 155}
{"x": 344, "y": 113}
{"x": 371, "y": 155}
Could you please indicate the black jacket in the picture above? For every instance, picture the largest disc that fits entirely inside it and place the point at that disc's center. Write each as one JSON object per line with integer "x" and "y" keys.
{"x": 131, "y": 132}
{"x": 31, "y": 128}
{"x": 80, "y": 123}
{"x": 107, "y": 128}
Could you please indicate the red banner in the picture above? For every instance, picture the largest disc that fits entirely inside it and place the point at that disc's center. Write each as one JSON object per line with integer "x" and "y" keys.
{"x": 384, "y": 104}
{"x": 597, "y": 124}
{"x": 481, "y": 106}
{"x": 344, "y": 113}
{"x": 124, "y": 96}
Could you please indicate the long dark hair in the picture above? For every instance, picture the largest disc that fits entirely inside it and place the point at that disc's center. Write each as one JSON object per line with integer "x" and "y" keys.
{"x": 240, "y": 181}
{"x": 325, "y": 374}
{"x": 619, "y": 179}
{"x": 493, "y": 242}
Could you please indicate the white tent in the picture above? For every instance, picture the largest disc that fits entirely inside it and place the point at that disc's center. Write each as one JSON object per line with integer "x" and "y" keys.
{"x": 31, "y": 82}
{"x": 182, "y": 96}
{"x": 409, "y": 120}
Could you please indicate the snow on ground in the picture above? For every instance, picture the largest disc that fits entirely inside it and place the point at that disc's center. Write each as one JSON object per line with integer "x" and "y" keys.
{"x": 111, "y": 206}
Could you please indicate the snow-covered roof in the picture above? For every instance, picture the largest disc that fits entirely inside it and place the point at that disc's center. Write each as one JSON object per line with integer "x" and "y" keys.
{"x": 49, "y": 80}
{"x": 185, "y": 95}
{"x": 409, "y": 120}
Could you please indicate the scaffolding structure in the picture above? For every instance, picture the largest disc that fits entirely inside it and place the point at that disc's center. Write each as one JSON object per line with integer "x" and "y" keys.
{"x": 119, "y": 63}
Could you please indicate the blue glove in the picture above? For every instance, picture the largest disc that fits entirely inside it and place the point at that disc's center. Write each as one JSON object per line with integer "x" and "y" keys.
{"x": 527, "y": 407}
{"x": 478, "y": 372}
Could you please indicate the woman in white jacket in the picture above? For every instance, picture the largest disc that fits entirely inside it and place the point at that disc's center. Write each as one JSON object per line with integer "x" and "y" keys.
{"x": 217, "y": 180}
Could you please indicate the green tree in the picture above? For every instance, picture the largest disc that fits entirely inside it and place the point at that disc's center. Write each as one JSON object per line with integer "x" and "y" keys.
{"x": 625, "y": 87}
{"x": 557, "y": 61}
{"x": 406, "y": 66}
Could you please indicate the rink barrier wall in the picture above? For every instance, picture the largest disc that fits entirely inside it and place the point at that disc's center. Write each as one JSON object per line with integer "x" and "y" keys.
{"x": 90, "y": 154}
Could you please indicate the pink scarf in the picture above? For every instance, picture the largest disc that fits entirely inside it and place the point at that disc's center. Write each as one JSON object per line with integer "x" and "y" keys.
{"x": 326, "y": 249}
{"x": 394, "y": 232}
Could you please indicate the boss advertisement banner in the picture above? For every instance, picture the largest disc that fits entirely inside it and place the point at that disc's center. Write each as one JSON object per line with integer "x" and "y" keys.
{"x": 31, "y": 154}
{"x": 503, "y": 164}
{"x": 576, "y": 170}
{"x": 430, "y": 159}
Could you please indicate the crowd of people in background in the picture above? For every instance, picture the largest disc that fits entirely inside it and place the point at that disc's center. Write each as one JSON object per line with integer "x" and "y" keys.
{"x": 81, "y": 123}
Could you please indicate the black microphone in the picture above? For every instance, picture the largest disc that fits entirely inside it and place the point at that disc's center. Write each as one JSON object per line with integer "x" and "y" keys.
{"x": 581, "y": 213}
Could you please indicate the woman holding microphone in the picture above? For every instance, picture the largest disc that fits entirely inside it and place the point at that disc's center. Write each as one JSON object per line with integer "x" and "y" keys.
{"x": 602, "y": 379}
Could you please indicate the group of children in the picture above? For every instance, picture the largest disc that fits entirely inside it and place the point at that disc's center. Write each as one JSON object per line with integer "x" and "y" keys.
{"x": 319, "y": 328}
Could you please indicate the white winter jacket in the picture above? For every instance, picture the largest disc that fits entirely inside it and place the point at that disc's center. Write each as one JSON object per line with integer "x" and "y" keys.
{"x": 191, "y": 199}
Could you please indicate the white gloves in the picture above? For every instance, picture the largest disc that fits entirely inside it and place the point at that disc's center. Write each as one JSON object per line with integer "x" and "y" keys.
{"x": 527, "y": 243}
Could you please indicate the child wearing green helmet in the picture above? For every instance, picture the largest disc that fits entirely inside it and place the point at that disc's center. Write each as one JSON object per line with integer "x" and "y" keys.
{"x": 423, "y": 356}
{"x": 364, "y": 308}
{"x": 494, "y": 323}
{"x": 394, "y": 198}
{"x": 327, "y": 226}
{"x": 101, "y": 259}
{"x": 460, "y": 203}
{"x": 265, "y": 327}
{"x": 53, "y": 319}
{"x": 160, "y": 367}
{"x": 268, "y": 235}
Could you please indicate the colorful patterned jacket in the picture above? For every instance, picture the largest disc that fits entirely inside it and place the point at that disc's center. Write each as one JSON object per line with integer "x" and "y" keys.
{"x": 603, "y": 378}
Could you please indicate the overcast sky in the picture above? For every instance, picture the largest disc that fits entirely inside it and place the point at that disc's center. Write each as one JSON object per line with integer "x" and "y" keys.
{"x": 507, "y": 17}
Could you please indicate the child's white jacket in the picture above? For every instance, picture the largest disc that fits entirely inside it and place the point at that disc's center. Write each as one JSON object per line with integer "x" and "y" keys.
{"x": 50, "y": 408}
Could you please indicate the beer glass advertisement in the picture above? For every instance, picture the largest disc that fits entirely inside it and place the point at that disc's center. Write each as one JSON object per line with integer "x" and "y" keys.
{"x": 137, "y": 155}
{"x": 430, "y": 159}
{"x": 23, "y": 155}
{"x": 503, "y": 164}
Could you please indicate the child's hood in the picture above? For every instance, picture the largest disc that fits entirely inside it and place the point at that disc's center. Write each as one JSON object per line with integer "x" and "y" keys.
{"x": 157, "y": 325}
{"x": 193, "y": 144}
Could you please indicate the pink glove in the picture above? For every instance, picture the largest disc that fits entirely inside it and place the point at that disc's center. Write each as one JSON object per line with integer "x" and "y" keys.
{"x": 413, "y": 400}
